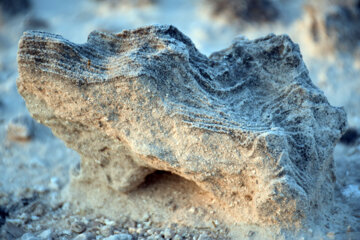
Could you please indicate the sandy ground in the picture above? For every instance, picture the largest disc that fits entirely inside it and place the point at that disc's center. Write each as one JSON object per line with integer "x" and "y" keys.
{"x": 34, "y": 171}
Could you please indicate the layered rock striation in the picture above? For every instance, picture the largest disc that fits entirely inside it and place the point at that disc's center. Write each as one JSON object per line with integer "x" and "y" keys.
{"x": 245, "y": 124}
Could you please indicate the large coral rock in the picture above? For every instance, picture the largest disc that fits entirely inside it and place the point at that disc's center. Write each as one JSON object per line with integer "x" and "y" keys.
{"x": 245, "y": 124}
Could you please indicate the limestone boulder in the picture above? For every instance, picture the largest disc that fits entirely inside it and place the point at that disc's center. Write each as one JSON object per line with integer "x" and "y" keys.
{"x": 245, "y": 124}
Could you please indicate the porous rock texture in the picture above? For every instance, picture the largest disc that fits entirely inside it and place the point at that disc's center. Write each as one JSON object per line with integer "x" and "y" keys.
{"x": 246, "y": 124}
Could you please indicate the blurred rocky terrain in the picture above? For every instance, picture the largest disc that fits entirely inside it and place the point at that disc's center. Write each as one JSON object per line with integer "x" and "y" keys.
{"x": 35, "y": 165}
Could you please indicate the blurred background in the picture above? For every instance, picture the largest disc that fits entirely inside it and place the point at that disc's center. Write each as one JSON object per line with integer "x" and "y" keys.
{"x": 328, "y": 32}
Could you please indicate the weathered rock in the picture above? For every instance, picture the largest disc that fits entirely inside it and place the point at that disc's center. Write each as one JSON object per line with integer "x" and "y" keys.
{"x": 85, "y": 236}
{"x": 20, "y": 128}
{"x": 245, "y": 124}
{"x": 78, "y": 227}
{"x": 12, "y": 231}
{"x": 46, "y": 234}
{"x": 120, "y": 236}
{"x": 29, "y": 236}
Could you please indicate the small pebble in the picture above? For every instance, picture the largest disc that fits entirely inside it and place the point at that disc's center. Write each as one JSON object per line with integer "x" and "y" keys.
{"x": 66, "y": 206}
{"x": 37, "y": 228}
{"x": 39, "y": 210}
{"x": 140, "y": 231}
{"x": 20, "y": 128}
{"x": 85, "y": 236}
{"x": 13, "y": 230}
{"x": 54, "y": 183}
{"x": 168, "y": 233}
{"x": 147, "y": 224}
{"x": 106, "y": 230}
{"x": 120, "y": 236}
{"x": 158, "y": 237}
{"x": 192, "y": 210}
{"x": 204, "y": 236}
{"x": 330, "y": 235}
{"x": 66, "y": 232}
{"x": 177, "y": 237}
{"x": 47, "y": 234}
{"x": 29, "y": 236}
{"x": 14, "y": 221}
{"x": 85, "y": 220}
{"x": 38, "y": 188}
{"x": 132, "y": 230}
{"x": 78, "y": 227}
{"x": 109, "y": 222}
{"x": 24, "y": 216}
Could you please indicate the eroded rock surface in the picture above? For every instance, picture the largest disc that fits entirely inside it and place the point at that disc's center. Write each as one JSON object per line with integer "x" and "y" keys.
{"x": 245, "y": 124}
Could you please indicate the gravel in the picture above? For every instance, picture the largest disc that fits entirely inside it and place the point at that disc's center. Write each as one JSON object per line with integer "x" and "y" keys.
{"x": 37, "y": 216}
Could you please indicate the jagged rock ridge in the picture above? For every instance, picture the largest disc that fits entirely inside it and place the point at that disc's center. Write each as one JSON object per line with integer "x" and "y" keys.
{"x": 246, "y": 124}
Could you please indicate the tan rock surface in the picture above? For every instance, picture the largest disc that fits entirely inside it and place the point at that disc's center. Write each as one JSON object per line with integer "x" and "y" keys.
{"x": 246, "y": 124}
